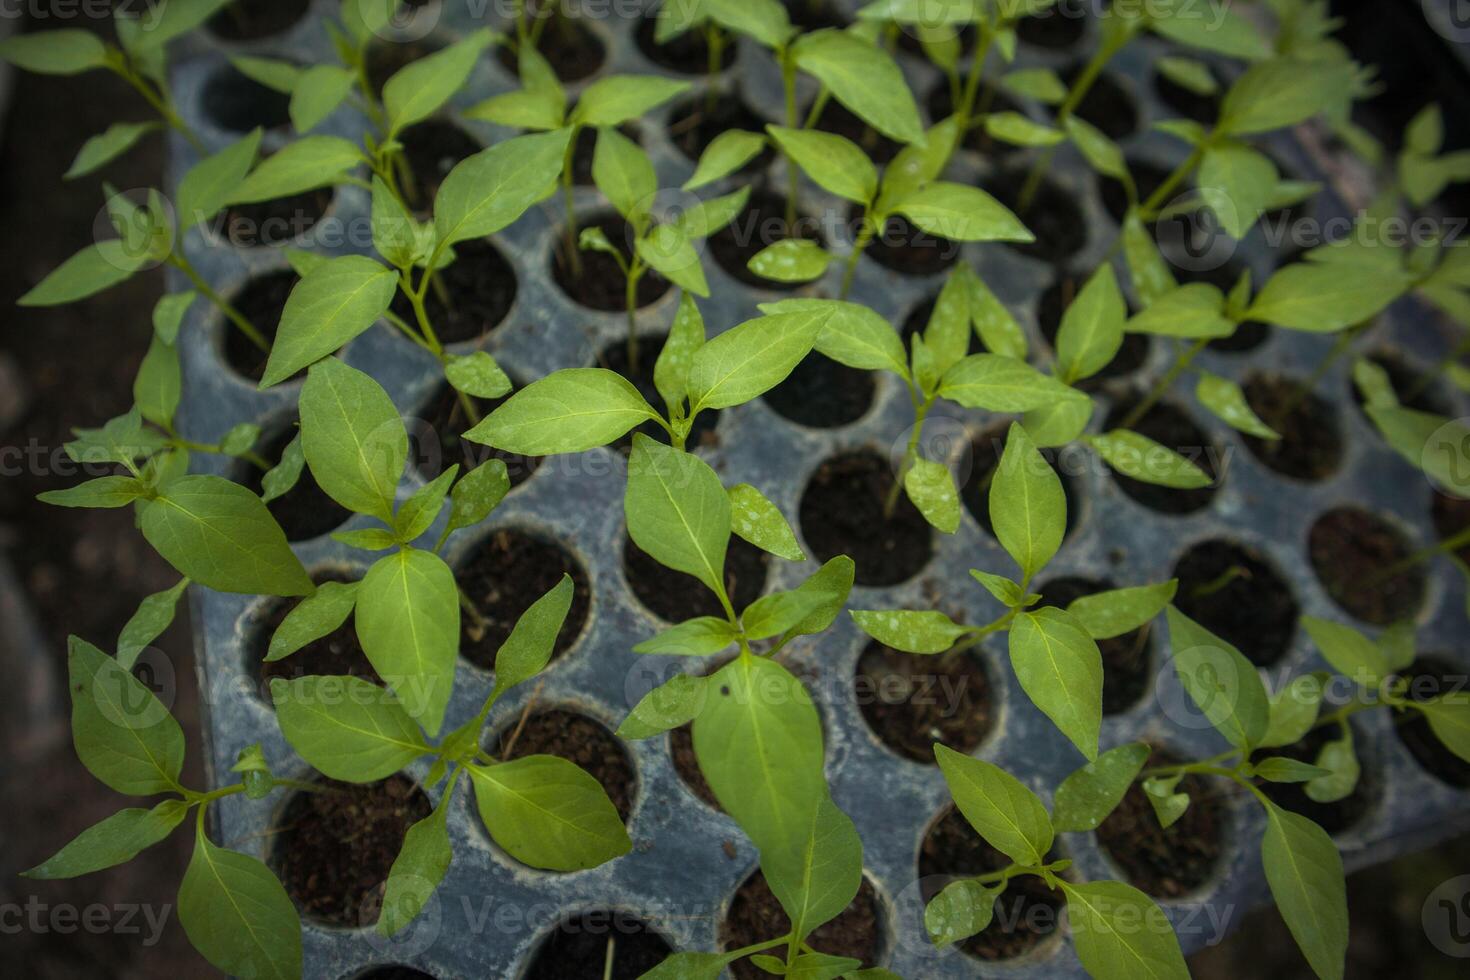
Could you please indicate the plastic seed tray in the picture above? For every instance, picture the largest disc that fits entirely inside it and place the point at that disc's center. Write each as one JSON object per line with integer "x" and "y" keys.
{"x": 491, "y": 913}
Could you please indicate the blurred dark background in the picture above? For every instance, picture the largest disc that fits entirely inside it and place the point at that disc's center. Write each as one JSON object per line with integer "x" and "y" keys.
{"x": 85, "y": 571}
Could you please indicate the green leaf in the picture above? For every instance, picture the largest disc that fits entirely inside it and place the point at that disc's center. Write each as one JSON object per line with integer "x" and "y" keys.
{"x": 816, "y": 873}
{"x": 206, "y": 188}
{"x": 1105, "y": 615}
{"x": 1348, "y": 651}
{"x": 220, "y": 535}
{"x": 1305, "y": 874}
{"x": 677, "y": 511}
{"x": 853, "y": 334}
{"x": 107, "y": 146}
{"x": 963, "y": 214}
{"x": 751, "y": 358}
{"x": 395, "y": 232}
{"x": 616, "y": 99}
{"x": 1168, "y": 805}
{"x": 1237, "y": 183}
{"x": 831, "y": 585}
{"x": 1435, "y": 444}
{"x": 418, "y": 869}
{"x": 960, "y": 911}
{"x": 1008, "y": 815}
{"x": 477, "y": 374}
{"x": 279, "y": 479}
{"x": 115, "y": 840}
{"x": 408, "y": 623}
{"x": 317, "y": 93}
{"x": 279, "y": 76}
{"x": 528, "y": 108}
{"x": 490, "y": 190}
{"x": 690, "y": 966}
{"x": 1147, "y": 269}
{"x": 1101, "y": 153}
{"x": 1120, "y": 932}
{"x": 913, "y": 631}
{"x": 1041, "y": 84}
{"x": 686, "y": 335}
{"x": 122, "y": 733}
{"x": 417, "y": 90}
{"x": 1027, "y": 507}
{"x": 90, "y": 271}
{"x": 1058, "y": 423}
{"x": 791, "y": 260}
{"x": 548, "y": 813}
{"x": 332, "y": 304}
{"x": 103, "y": 491}
{"x": 932, "y": 490}
{"x": 1283, "y": 92}
{"x": 1141, "y": 458}
{"x": 1020, "y": 130}
{"x": 1343, "y": 770}
{"x": 237, "y": 915}
{"x": 726, "y": 153}
{"x": 947, "y": 334}
{"x": 1319, "y": 298}
{"x": 353, "y": 437}
{"x": 693, "y": 638}
{"x": 308, "y": 163}
{"x": 1449, "y": 719}
{"x": 1194, "y": 311}
{"x": 1226, "y": 401}
{"x": 1292, "y": 711}
{"x": 757, "y": 520}
{"x": 1060, "y": 669}
{"x": 677, "y": 701}
{"x": 420, "y": 510}
{"x": 1092, "y": 328}
{"x": 1001, "y": 384}
{"x": 368, "y": 538}
{"x": 1222, "y": 683}
{"x": 1085, "y": 798}
{"x": 668, "y": 251}
{"x": 993, "y": 323}
{"x": 345, "y": 727}
{"x": 62, "y": 52}
{"x": 168, "y": 314}
{"x": 834, "y": 163}
{"x": 708, "y": 217}
{"x": 566, "y": 412}
{"x": 313, "y": 618}
{"x": 1195, "y": 76}
{"x": 528, "y": 648}
{"x": 1280, "y": 769}
{"x": 624, "y": 175}
{"x": 864, "y": 78}
{"x": 152, "y": 617}
{"x": 759, "y": 746}
{"x": 764, "y": 20}
{"x": 159, "y": 384}
{"x": 1006, "y": 592}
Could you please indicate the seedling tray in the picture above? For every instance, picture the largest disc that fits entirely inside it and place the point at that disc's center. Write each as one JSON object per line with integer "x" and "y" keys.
{"x": 490, "y": 914}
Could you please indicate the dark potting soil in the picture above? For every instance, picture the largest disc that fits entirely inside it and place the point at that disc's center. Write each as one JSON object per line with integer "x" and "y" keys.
{"x": 755, "y": 915}
{"x": 432, "y": 148}
{"x": 246, "y": 21}
{"x": 674, "y": 597}
{"x": 585, "y": 150}
{"x": 822, "y": 393}
{"x": 575, "y": 737}
{"x": 1108, "y": 105}
{"x": 1131, "y": 356}
{"x": 1203, "y": 109}
{"x": 762, "y": 223}
{"x": 395, "y": 972}
{"x": 1310, "y": 447}
{"x": 336, "y": 654}
{"x": 615, "y": 358}
{"x": 1247, "y": 337}
{"x": 941, "y": 106}
{"x": 1334, "y": 817}
{"x": 912, "y": 701}
{"x": 1352, "y": 552}
{"x": 1025, "y": 913}
{"x": 579, "y": 948}
{"x": 842, "y": 514}
{"x": 1430, "y": 677}
{"x": 1235, "y": 594}
{"x": 1127, "y": 660}
{"x": 1407, "y": 383}
{"x": 385, "y": 58}
{"x": 1172, "y": 428}
{"x": 837, "y": 118}
{"x": 695, "y": 122}
{"x": 444, "y": 415}
{"x": 918, "y": 321}
{"x": 1172, "y": 862}
{"x": 687, "y": 54}
{"x": 571, "y": 47}
{"x": 1147, "y": 178}
{"x": 234, "y": 101}
{"x": 480, "y": 286}
{"x": 261, "y": 301}
{"x": 1057, "y": 27}
{"x": 305, "y": 511}
{"x": 985, "y": 453}
{"x": 814, "y": 15}
{"x": 686, "y": 764}
{"x": 904, "y": 247}
{"x": 279, "y": 221}
{"x": 333, "y": 848}
{"x": 1450, "y": 515}
{"x": 601, "y": 285}
{"x": 1053, "y": 217}
{"x": 503, "y": 576}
